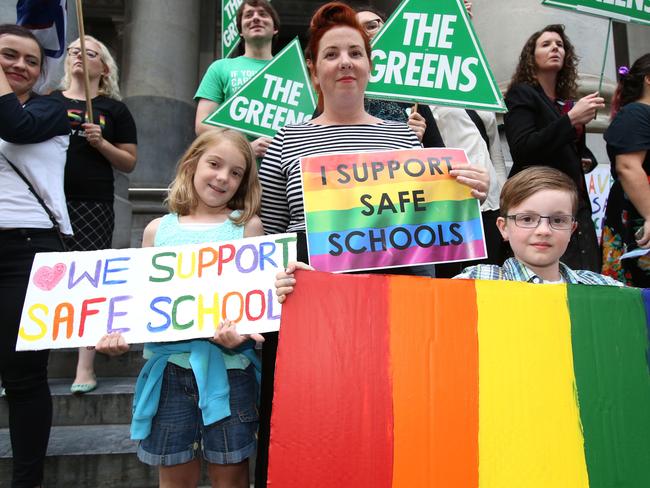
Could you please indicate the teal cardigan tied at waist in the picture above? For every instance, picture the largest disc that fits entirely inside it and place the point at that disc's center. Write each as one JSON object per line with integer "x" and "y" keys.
{"x": 206, "y": 360}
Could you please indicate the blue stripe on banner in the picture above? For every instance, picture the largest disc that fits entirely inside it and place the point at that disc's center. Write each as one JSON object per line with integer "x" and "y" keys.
{"x": 646, "y": 301}
{"x": 470, "y": 230}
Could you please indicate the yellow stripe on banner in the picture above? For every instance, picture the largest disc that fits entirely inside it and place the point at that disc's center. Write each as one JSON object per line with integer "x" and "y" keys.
{"x": 348, "y": 198}
{"x": 529, "y": 422}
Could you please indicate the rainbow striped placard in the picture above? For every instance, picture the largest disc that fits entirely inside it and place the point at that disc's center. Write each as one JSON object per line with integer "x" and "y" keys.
{"x": 387, "y": 209}
{"x": 395, "y": 381}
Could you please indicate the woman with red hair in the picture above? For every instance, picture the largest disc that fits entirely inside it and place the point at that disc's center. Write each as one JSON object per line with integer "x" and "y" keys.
{"x": 338, "y": 56}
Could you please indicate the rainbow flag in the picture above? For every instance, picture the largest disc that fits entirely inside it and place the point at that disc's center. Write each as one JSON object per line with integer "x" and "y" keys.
{"x": 387, "y": 209}
{"x": 394, "y": 381}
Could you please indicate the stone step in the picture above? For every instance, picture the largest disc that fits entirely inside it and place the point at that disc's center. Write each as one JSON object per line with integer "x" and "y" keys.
{"x": 100, "y": 456}
{"x": 87, "y": 456}
{"x": 110, "y": 403}
{"x": 63, "y": 363}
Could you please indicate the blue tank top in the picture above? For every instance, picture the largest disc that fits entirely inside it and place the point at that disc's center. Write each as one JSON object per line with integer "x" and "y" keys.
{"x": 171, "y": 232}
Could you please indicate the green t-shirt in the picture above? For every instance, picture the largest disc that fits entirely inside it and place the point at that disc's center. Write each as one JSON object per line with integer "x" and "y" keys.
{"x": 225, "y": 76}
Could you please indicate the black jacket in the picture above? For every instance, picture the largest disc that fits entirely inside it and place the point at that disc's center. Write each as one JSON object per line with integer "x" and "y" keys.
{"x": 538, "y": 134}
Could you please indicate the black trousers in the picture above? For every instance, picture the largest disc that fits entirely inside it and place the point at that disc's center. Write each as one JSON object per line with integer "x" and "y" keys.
{"x": 23, "y": 374}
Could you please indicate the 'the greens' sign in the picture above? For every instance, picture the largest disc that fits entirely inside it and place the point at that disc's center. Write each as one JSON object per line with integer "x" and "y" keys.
{"x": 277, "y": 95}
{"x": 623, "y": 10}
{"x": 229, "y": 32}
{"x": 428, "y": 52}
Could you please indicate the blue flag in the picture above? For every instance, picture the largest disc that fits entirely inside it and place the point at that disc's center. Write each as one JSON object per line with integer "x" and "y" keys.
{"x": 47, "y": 20}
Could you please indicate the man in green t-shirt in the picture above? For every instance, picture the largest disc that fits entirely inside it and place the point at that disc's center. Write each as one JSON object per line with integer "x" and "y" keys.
{"x": 258, "y": 24}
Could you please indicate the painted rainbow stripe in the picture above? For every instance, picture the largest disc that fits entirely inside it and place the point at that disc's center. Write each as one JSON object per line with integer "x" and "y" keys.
{"x": 392, "y": 381}
{"x": 446, "y": 226}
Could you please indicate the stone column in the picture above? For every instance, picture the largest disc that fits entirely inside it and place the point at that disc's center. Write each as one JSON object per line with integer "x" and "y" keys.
{"x": 161, "y": 42}
{"x": 160, "y": 76}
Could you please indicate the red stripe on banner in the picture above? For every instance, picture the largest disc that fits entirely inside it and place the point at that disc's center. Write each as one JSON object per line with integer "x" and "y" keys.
{"x": 332, "y": 420}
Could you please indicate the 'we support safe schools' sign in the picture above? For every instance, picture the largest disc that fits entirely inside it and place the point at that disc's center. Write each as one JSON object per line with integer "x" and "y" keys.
{"x": 153, "y": 294}
{"x": 388, "y": 209}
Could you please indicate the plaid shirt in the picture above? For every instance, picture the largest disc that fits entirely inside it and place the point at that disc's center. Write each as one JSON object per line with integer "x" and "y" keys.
{"x": 513, "y": 270}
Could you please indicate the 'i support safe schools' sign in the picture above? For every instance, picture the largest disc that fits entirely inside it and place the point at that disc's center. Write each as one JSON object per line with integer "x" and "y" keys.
{"x": 388, "y": 209}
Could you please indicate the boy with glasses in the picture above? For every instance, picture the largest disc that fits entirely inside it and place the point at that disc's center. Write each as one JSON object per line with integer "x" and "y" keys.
{"x": 537, "y": 207}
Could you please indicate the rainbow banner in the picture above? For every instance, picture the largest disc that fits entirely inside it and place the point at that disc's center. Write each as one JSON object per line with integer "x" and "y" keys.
{"x": 387, "y": 209}
{"x": 413, "y": 382}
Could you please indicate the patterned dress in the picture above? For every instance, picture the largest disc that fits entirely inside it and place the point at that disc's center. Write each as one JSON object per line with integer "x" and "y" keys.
{"x": 628, "y": 132}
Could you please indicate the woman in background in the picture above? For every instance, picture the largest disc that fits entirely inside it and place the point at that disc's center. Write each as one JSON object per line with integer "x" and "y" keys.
{"x": 544, "y": 126}
{"x": 33, "y": 141}
{"x": 95, "y": 150}
{"x": 627, "y": 217}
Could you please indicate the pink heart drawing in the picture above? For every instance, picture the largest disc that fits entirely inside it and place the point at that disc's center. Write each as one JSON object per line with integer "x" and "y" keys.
{"x": 47, "y": 278}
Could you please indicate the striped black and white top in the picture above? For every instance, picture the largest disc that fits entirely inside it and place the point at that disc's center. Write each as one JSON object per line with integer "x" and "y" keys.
{"x": 282, "y": 207}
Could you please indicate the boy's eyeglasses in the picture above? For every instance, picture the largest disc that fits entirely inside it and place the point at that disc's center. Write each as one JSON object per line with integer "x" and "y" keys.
{"x": 372, "y": 25}
{"x": 532, "y": 221}
{"x": 75, "y": 51}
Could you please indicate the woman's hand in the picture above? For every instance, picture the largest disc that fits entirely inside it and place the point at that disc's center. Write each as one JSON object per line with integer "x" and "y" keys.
{"x": 417, "y": 124}
{"x": 93, "y": 134}
{"x": 585, "y": 109}
{"x": 476, "y": 177}
{"x": 227, "y": 336}
{"x": 260, "y": 145}
{"x": 587, "y": 165}
{"x": 644, "y": 239}
{"x": 285, "y": 281}
{"x": 468, "y": 7}
{"x": 112, "y": 344}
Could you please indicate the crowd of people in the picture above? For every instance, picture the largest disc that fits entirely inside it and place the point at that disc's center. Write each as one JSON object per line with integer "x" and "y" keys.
{"x": 199, "y": 399}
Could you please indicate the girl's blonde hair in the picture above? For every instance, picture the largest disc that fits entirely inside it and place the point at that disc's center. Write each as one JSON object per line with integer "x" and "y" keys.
{"x": 109, "y": 82}
{"x": 182, "y": 198}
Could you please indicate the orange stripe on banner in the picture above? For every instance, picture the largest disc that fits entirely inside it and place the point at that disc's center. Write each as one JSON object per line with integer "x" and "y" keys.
{"x": 434, "y": 361}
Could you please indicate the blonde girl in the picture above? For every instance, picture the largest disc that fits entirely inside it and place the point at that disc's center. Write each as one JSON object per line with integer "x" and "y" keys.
{"x": 214, "y": 196}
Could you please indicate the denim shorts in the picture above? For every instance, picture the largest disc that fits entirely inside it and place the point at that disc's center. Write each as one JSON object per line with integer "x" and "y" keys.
{"x": 177, "y": 430}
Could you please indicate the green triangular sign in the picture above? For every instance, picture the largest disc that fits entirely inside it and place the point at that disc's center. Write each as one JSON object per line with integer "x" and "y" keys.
{"x": 229, "y": 33}
{"x": 428, "y": 52}
{"x": 279, "y": 94}
{"x": 623, "y": 10}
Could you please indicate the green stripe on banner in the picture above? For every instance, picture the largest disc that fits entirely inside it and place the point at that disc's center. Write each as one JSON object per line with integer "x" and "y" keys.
{"x": 444, "y": 211}
{"x": 610, "y": 342}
